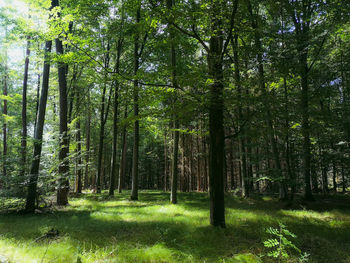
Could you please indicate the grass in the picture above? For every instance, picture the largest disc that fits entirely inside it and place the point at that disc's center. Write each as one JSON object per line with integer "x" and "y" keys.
{"x": 100, "y": 229}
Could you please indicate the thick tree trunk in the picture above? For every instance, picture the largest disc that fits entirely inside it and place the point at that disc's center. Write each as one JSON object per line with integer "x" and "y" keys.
{"x": 63, "y": 168}
{"x": 216, "y": 121}
{"x": 38, "y": 133}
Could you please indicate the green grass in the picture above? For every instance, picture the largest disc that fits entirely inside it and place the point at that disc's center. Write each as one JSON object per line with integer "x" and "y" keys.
{"x": 98, "y": 229}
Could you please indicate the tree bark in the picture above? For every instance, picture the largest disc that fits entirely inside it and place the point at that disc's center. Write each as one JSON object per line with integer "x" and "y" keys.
{"x": 24, "y": 111}
{"x": 114, "y": 168}
{"x": 103, "y": 120}
{"x": 63, "y": 168}
{"x": 122, "y": 174}
{"x": 135, "y": 163}
{"x": 38, "y": 133}
{"x": 216, "y": 119}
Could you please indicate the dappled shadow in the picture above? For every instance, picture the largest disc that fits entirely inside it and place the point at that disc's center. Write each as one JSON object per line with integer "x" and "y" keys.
{"x": 106, "y": 226}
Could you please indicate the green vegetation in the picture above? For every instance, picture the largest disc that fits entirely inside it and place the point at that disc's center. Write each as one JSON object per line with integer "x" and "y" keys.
{"x": 98, "y": 228}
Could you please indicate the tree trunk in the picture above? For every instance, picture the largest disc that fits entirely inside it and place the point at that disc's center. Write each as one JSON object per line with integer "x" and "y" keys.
{"x": 122, "y": 174}
{"x": 135, "y": 163}
{"x": 87, "y": 157}
{"x": 4, "y": 128}
{"x": 216, "y": 120}
{"x": 103, "y": 120}
{"x": 266, "y": 95}
{"x": 24, "y": 111}
{"x": 114, "y": 168}
{"x": 38, "y": 133}
{"x": 78, "y": 159}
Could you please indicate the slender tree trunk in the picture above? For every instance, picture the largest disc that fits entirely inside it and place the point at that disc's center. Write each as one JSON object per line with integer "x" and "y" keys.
{"x": 38, "y": 133}
{"x": 135, "y": 163}
{"x": 305, "y": 127}
{"x": 4, "y": 128}
{"x": 122, "y": 174}
{"x": 24, "y": 111}
{"x": 103, "y": 120}
{"x": 174, "y": 166}
{"x": 37, "y": 100}
{"x": 114, "y": 168}
{"x": 266, "y": 95}
{"x": 78, "y": 161}
{"x": 87, "y": 156}
{"x": 334, "y": 176}
{"x": 198, "y": 164}
{"x": 165, "y": 163}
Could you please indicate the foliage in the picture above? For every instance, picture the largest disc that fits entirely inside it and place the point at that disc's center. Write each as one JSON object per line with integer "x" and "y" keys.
{"x": 280, "y": 245}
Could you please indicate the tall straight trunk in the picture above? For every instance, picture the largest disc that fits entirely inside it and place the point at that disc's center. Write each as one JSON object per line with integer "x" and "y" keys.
{"x": 135, "y": 163}
{"x": 165, "y": 163}
{"x": 87, "y": 156}
{"x": 103, "y": 120}
{"x": 114, "y": 168}
{"x": 183, "y": 171}
{"x": 37, "y": 100}
{"x": 343, "y": 178}
{"x": 4, "y": 128}
{"x": 266, "y": 95}
{"x": 100, "y": 144}
{"x": 78, "y": 159}
{"x": 305, "y": 127}
{"x": 301, "y": 19}
{"x": 38, "y": 132}
{"x": 174, "y": 166}
{"x": 216, "y": 119}
{"x": 63, "y": 168}
{"x": 24, "y": 111}
{"x": 198, "y": 164}
{"x": 122, "y": 174}
{"x": 243, "y": 151}
{"x": 334, "y": 176}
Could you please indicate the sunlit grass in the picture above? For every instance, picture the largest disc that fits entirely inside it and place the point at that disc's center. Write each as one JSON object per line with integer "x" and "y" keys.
{"x": 100, "y": 229}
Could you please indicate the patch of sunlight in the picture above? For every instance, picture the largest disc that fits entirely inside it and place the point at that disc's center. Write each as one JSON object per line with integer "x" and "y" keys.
{"x": 267, "y": 198}
{"x": 244, "y": 215}
{"x": 157, "y": 253}
{"x": 302, "y": 214}
{"x": 36, "y": 252}
{"x": 243, "y": 258}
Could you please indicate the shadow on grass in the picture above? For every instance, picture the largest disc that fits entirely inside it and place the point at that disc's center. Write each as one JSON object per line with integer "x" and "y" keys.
{"x": 324, "y": 240}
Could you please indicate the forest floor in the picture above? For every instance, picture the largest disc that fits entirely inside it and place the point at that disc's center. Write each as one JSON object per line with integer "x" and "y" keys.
{"x": 101, "y": 229}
